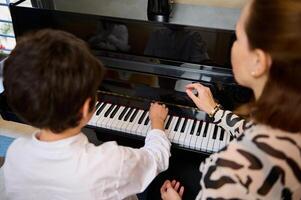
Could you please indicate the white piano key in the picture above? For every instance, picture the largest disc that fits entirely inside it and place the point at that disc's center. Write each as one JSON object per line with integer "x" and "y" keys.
{"x": 130, "y": 124}
{"x": 141, "y": 127}
{"x": 186, "y": 140}
{"x": 106, "y": 119}
{"x": 121, "y": 121}
{"x": 101, "y": 115}
{"x": 166, "y": 120}
{"x": 194, "y": 137}
{"x": 171, "y": 131}
{"x": 94, "y": 117}
{"x": 205, "y": 139}
{"x": 146, "y": 127}
{"x": 126, "y": 123}
{"x": 210, "y": 139}
{"x": 134, "y": 125}
{"x": 216, "y": 145}
{"x": 178, "y": 132}
{"x": 114, "y": 121}
{"x": 223, "y": 142}
{"x": 201, "y": 143}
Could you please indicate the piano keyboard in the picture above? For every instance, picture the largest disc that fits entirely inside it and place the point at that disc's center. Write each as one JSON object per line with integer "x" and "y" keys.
{"x": 188, "y": 133}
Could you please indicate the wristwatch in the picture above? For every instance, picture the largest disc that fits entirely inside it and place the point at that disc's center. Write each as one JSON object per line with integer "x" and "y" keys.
{"x": 215, "y": 109}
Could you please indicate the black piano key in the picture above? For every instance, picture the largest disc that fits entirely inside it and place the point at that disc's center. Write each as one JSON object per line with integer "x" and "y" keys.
{"x": 177, "y": 124}
{"x": 214, "y": 132}
{"x": 142, "y": 117}
{"x": 184, "y": 125}
{"x": 206, "y": 129}
{"x": 97, "y": 105}
{"x": 128, "y": 114}
{"x": 193, "y": 127}
{"x": 134, "y": 115}
{"x": 146, "y": 121}
{"x": 114, "y": 111}
{"x": 198, "y": 132}
{"x": 101, "y": 108}
{"x": 221, "y": 137}
{"x": 231, "y": 137}
{"x": 109, "y": 110}
{"x": 168, "y": 122}
{"x": 123, "y": 113}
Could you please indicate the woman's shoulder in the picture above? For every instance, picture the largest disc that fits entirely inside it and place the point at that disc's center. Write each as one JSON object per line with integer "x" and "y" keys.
{"x": 249, "y": 162}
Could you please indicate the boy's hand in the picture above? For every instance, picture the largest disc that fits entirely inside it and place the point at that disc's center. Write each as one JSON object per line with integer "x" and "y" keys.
{"x": 171, "y": 190}
{"x": 157, "y": 115}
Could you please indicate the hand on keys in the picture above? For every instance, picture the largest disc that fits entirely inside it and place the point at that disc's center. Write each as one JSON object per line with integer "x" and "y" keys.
{"x": 157, "y": 115}
{"x": 204, "y": 99}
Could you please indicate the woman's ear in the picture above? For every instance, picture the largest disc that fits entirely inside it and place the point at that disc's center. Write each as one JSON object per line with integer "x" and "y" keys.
{"x": 262, "y": 63}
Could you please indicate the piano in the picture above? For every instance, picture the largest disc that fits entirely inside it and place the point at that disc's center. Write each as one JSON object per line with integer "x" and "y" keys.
{"x": 146, "y": 62}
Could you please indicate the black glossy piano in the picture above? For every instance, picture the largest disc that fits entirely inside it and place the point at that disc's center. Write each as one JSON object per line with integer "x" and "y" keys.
{"x": 146, "y": 62}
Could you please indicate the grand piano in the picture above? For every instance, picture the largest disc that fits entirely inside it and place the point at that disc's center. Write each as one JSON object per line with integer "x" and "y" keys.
{"x": 148, "y": 61}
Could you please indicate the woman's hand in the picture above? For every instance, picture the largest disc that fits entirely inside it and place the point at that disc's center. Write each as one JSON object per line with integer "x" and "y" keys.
{"x": 171, "y": 190}
{"x": 157, "y": 115}
{"x": 204, "y": 99}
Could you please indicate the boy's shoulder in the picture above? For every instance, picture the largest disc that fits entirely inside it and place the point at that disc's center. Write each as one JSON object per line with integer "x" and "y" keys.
{"x": 18, "y": 144}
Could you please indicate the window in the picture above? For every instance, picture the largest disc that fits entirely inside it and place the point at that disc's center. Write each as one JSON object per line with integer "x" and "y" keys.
{"x": 7, "y": 38}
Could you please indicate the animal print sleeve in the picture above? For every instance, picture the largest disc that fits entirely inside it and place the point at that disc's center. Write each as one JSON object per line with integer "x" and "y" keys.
{"x": 232, "y": 123}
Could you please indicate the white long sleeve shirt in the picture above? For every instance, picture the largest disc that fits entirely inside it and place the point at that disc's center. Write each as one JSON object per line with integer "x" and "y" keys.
{"x": 75, "y": 169}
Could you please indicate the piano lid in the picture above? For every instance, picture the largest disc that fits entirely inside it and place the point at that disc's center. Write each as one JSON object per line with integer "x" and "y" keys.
{"x": 135, "y": 40}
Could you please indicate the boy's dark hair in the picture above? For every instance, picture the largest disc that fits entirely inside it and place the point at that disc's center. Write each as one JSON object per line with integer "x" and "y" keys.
{"x": 48, "y": 77}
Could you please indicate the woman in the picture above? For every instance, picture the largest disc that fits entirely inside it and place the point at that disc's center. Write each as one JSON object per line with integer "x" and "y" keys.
{"x": 264, "y": 162}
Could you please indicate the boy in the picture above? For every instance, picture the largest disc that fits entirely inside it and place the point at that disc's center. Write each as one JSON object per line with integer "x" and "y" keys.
{"x": 51, "y": 80}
